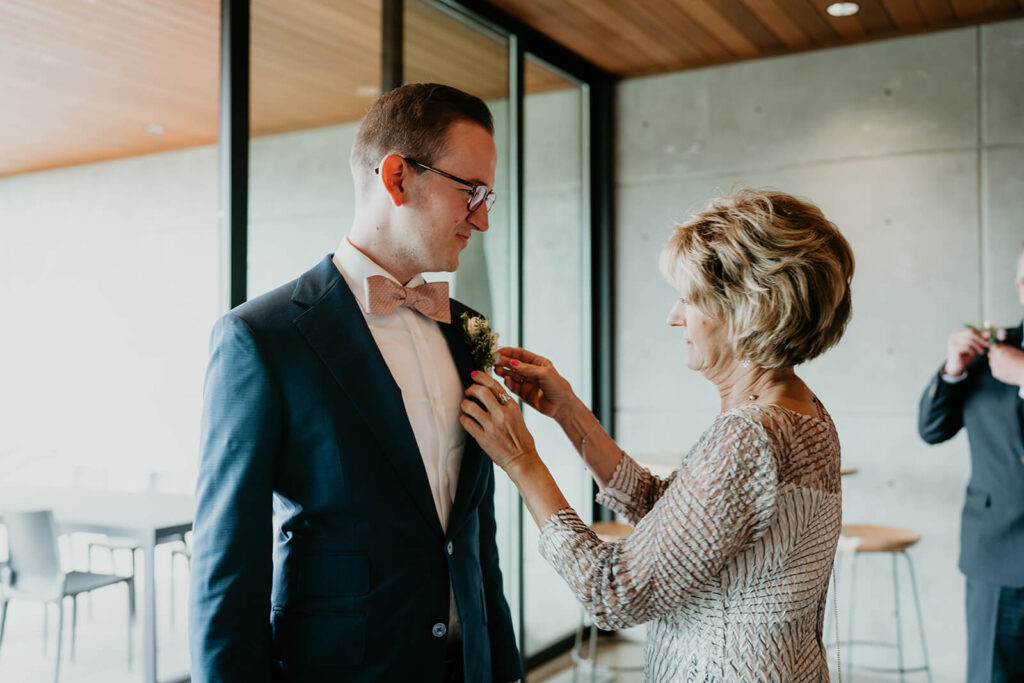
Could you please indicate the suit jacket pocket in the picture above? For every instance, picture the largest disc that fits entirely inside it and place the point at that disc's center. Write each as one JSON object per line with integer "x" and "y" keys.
{"x": 977, "y": 500}
{"x": 332, "y": 574}
{"x": 308, "y": 640}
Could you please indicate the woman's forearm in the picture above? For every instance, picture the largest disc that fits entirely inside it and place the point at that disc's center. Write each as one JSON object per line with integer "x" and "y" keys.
{"x": 599, "y": 451}
{"x": 538, "y": 489}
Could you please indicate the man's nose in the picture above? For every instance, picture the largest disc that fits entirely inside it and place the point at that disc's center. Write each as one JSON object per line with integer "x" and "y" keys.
{"x": 479, "y": 218}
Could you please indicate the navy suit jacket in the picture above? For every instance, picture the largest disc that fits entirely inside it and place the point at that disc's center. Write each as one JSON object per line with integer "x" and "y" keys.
{"x": 992, "y": 521}
{"x": 350, "y": 579}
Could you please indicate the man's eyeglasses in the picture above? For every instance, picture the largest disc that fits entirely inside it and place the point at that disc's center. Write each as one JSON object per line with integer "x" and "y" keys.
{"x": 479, "y": 194}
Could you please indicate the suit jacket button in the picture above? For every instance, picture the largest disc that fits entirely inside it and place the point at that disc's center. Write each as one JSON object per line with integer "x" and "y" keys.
{"x": 451, "y": 546}
{"x": 439, "y": 630}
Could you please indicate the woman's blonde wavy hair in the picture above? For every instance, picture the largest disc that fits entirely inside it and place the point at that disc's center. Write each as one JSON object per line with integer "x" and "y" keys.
{"x": 772, "y": 267}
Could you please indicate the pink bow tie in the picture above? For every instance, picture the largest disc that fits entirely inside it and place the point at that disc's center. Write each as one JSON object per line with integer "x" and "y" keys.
{"x": 384, "y": 295}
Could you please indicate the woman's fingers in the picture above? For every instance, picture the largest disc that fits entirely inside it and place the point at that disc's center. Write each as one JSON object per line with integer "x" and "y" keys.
{"x": 486, "y": 391}
{"x": 474, "y": 410}
{"x": 522, "y": 355}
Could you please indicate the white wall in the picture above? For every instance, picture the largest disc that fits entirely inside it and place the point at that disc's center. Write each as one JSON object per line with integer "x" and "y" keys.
{"x": 108, "y": 286}
{"x": 914, "y": 147}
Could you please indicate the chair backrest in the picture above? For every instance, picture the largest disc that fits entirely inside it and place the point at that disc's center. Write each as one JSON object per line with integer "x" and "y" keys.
{"x": 34, "y": 557}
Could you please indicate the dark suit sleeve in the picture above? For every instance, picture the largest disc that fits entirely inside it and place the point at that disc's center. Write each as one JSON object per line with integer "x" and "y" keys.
{"x": 940, "y": 416}
{"x": 229, "y": 617}
{"x": 505, "y": 662}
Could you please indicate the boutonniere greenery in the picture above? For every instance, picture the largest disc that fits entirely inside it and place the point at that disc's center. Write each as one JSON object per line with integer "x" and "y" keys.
{"x": 482, "y": 342}
{"x": 993, "y": 333}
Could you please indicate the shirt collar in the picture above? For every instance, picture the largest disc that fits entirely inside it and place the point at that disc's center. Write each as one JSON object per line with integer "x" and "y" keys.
{"x": 356, "y": 267}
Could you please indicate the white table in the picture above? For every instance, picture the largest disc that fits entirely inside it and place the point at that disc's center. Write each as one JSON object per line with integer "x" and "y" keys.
{"x": 149, "y": 518}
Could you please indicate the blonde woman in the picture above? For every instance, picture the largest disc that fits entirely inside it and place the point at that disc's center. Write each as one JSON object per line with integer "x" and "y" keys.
{"x": 730, "y": 558}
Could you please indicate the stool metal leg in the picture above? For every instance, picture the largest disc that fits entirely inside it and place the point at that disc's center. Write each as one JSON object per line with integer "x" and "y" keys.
{"x": 899, "y": 626}
{"x": 593, "y": 651}
{"x": 853, "y": 602}
{"x": 577, "y": 648}
{"x": 920, "y": 621}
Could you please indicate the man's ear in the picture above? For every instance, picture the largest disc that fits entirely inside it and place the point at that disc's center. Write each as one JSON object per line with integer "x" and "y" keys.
{"x": 393, "y": 173}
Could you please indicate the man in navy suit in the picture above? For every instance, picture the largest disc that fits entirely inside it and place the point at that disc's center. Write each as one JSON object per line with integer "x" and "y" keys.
{"x": 980, "y": 388}
{"x": 333, "y": 403}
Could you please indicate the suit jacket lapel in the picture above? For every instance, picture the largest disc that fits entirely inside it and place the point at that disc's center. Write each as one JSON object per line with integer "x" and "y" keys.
{"x": 337, "y": 331}
{"x": 473, "y": 459}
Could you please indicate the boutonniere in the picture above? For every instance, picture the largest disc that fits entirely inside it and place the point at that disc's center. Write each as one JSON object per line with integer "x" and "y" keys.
{"x": 994, "y": 334}
{"x": 482, "y": 342}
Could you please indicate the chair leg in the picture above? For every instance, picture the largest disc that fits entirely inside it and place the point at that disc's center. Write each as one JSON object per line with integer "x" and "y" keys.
{"x": 46, "y": 625}
{"x": 899, "y": 626}
{"x": 172, "y": 608}
{"x": 74, "y": 624}
{"x": 920, "y": 621}
{"x": 60, "y": 633}
{"x": 130, "y": 583}
{"x": 3, "y": 620}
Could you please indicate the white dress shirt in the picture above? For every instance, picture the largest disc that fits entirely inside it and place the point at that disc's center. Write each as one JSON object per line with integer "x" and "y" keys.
{"x": 421, "y": 363}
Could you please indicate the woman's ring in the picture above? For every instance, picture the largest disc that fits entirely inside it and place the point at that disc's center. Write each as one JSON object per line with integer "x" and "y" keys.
{"x": 503, "y": 398}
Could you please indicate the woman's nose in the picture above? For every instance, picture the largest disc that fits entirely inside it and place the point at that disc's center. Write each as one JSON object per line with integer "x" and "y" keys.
{"x": 676, "y": 317}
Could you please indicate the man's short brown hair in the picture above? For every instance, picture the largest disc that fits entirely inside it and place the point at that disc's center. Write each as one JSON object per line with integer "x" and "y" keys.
{"x": 413, "y": 120}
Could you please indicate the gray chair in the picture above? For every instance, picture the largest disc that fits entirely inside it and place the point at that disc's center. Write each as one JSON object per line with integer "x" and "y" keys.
{"x": 34, "y": 573}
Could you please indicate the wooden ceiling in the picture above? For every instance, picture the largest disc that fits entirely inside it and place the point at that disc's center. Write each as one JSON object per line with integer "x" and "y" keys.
{"x": 646, "y": 37}
{"x": 89, "y": 80}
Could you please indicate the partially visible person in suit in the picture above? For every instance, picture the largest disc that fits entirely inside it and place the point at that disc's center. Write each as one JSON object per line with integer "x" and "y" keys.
{"x": 333, "y": 402}
{"x": 980, "y": 387}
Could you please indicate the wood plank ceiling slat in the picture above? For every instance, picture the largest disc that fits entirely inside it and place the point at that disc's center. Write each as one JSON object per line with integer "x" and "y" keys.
{"x": 936, "y": 12}
{"x": 810, "y": 20}
{"x": 998, "y": 7}
{"x": 679, "y": 31}
{"x": 710, "y": 48}
{"x": 748, "y": 24}
{"x": 618, "y": 18}
{"x": 780, "y": 23}
{"x": 580, "y": 33}
{"x": 718, "y": 26}
{"x": 873, "y": 17}
{"x": 904, "y": 13}
{"x": 966, "y": 10}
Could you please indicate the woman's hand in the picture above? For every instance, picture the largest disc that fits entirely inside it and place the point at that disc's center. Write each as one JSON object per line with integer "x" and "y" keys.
{"x": 498, "y": 428}
{"x": 535, "y": 380}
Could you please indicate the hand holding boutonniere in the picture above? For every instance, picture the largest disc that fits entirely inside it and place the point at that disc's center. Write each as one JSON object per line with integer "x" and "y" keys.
{"x": 483, "y": 344}
{"x": 987, "y": 329}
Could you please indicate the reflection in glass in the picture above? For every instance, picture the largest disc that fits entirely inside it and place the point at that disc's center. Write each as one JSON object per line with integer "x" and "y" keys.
{"x": 315, "y": 70}
{"x": 556, "y": 312}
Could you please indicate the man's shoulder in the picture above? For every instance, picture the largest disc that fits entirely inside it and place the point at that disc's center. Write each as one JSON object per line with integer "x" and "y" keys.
{"x": 267, "y": 308}
{"x": 281, "y": 304}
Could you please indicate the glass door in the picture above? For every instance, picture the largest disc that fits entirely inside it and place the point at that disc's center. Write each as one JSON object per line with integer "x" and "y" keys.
{"x": 556, "y": 312}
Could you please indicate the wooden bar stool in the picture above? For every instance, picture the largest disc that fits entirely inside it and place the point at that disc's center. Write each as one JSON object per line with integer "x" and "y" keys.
{"x": 868, "y": 538}
{"x": 609, "y": 532}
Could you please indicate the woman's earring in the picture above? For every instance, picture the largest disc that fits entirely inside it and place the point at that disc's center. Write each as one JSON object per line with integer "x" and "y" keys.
{"x": 745, "y": 363}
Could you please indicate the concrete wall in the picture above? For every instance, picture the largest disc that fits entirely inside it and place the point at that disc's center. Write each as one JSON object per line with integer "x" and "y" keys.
{"x": 108, "y": 284}
{"x": 915, "y": 148}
